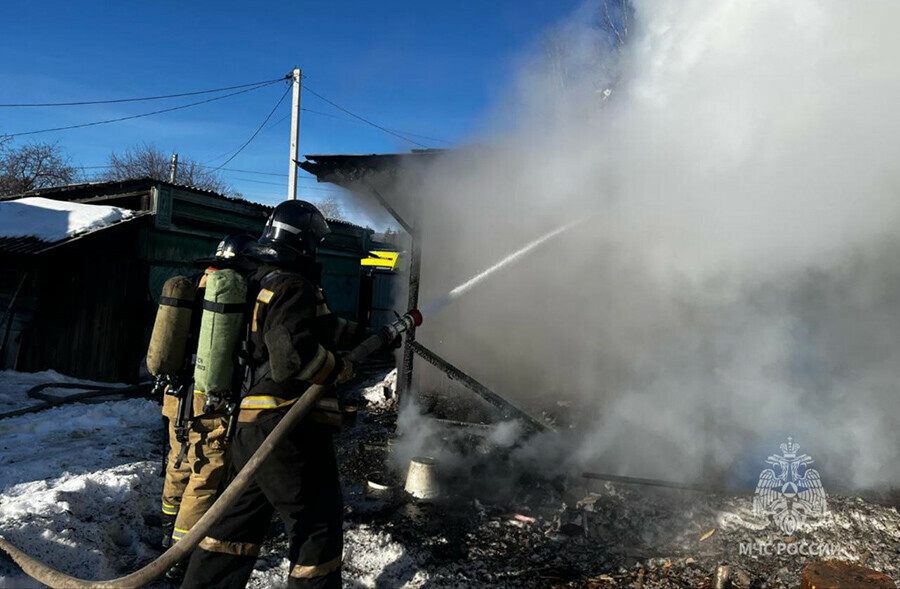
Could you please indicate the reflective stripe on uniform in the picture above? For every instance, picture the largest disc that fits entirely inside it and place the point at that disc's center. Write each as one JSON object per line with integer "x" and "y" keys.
{"x": 285, "y": 227}
{"x": 265, "y": 402}
{"x": 169, "y": 509}
{"x": 234, "y": 548}
{"x": 308, "y": 571}
{"x": 264, "y": 297}
{"x": 178, "y": 534}
{"x": 270, "y": 402}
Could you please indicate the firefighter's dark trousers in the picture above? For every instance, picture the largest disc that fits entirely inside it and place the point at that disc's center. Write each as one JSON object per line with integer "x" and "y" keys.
{"x": 300, "y": 481}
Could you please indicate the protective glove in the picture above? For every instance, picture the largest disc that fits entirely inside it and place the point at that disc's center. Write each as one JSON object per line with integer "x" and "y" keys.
{"x": 347, "y": 371}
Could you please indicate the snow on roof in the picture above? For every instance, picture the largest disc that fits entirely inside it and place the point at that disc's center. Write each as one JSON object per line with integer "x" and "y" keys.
{"x": 53, "y": 220}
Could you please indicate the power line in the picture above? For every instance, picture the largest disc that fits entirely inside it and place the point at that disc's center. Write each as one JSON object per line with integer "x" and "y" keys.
{"x": 356, "y": 116}
{"x": 146, "y": 114}
{"x": 260, "y": 182}
{"x": 251, "y": 172}
{"x": 145, "y": 98}
{"x": 275, "y": 124}
{"x": 340, "y": 118}
{"x": 258, "y": 129}
{"x": 221, "y": 155}
{"x": 242, "y": 171}
{"x": 330, "y": 190}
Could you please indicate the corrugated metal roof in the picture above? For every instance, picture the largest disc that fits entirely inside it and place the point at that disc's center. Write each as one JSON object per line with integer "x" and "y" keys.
{"x": 26, "y": 246}
{"x": 75, "y": 191}
{"x": 23, "y": 245}
{"x": 84, "y": 190}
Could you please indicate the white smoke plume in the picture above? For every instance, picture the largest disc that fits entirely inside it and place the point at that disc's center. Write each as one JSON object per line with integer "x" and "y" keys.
{"x": 741, "y": 280}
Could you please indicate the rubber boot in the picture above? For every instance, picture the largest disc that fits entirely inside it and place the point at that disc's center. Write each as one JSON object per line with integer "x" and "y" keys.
{"x": 168, "y": 526}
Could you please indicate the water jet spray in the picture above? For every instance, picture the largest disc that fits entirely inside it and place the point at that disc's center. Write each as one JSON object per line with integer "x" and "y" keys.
{"x": 437, "y": 304}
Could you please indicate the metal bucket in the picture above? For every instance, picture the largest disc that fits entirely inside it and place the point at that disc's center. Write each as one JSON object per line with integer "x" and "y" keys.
{"x": 379, "y": 484}
{"x": 421, "y": 480}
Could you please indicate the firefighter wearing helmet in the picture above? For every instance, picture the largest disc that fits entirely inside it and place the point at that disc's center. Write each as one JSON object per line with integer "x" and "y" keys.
{"x": 195, "y": 465}
{"x": 292, "y": 344}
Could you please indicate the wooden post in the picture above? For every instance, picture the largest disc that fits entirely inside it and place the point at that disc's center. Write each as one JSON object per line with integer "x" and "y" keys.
{"x": 295, "y": 136}
{"x": 405, "y": 375}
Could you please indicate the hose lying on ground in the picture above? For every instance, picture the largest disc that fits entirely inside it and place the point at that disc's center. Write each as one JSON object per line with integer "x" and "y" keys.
{"x": 152, "y": 571}
{"x": 95, "y": 391}
{"x": 43, "y": 573}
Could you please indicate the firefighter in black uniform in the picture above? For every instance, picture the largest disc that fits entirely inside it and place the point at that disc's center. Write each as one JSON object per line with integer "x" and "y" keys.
{"x": 293, "y": 338}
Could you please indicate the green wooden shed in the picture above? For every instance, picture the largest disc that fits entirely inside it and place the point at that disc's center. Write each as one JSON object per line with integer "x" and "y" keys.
{"x": 181, "y": 224}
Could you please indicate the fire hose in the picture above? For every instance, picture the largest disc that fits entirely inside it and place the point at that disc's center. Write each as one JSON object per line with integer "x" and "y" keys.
{"x": 181, "y": 549}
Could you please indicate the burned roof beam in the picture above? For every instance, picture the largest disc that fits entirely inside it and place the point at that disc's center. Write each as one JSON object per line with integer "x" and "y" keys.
{"x": 614, "y": 478}
{"x": 406, "y": 226}
{"x": 507, "y": 409}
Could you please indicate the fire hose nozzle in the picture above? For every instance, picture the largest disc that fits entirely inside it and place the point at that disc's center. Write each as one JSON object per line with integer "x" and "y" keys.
{"x": 388, "y": 334}
{"x": 407, "y": 322}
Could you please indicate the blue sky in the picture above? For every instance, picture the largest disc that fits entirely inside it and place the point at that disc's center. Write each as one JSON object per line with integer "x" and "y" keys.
{"x": 429, "y": 68}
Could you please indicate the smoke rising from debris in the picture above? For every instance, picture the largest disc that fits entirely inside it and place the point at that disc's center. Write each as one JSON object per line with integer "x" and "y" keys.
{"x": 740, "y": 281}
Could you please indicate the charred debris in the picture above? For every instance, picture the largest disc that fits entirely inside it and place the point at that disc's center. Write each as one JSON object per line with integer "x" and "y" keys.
{"x": 498, "y": 523}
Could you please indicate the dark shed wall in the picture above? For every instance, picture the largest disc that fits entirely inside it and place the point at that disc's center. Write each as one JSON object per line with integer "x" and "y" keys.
{"x": 21, "y": 312}
{"x": 90, "y": 299}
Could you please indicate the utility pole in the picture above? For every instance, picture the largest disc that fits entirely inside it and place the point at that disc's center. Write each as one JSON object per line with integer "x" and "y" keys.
{"x": 295, "y": 137}
{"x": 173, "y": 168}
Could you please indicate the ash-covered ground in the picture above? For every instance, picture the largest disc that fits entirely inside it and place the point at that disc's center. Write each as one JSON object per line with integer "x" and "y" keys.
{"x": 497, "y": 526}
{"x": 79, "y": 488}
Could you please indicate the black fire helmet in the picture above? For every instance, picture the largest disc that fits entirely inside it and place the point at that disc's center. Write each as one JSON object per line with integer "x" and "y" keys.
{"x": 293, "y": 232}
{"x": 230, "y": 253}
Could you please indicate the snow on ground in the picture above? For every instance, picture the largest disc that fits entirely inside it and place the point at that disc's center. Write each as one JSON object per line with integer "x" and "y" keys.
{"x": 378, "y": 395}
{"x": 15, "y": 385}
{"x": 80, "y": 488}
{"x": 52, "y": 220}
{"x": 76, "y": 481}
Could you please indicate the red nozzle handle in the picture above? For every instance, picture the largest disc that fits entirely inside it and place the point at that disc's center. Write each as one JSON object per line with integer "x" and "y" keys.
{"x": 416, "y": 317}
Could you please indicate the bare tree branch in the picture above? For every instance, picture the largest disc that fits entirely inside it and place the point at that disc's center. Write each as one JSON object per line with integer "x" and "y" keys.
{"x": 148, "y": 161}
{"x": 331, "y": 208}
{"x": 32, "y": 166}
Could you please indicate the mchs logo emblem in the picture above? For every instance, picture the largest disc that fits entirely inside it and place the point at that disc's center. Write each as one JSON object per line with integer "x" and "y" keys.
{"x": 791, "y": 492}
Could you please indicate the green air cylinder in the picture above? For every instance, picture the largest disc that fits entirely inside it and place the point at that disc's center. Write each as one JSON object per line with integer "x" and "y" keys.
{"x": 167, "y": 354}
{"x": 221, "y": 330}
